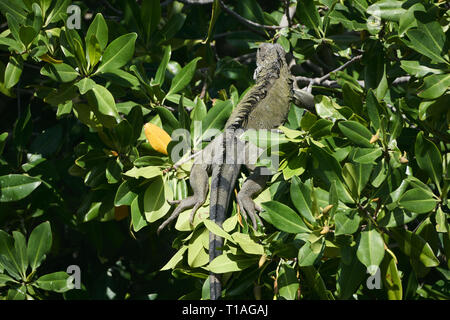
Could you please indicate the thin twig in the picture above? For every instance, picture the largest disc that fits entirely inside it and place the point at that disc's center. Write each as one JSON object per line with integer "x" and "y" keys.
{"x": 181, "y": 162}
{"x": 106, "y": 3}
{"x": 246, "y": 21}
{"x": 345, "y": 65}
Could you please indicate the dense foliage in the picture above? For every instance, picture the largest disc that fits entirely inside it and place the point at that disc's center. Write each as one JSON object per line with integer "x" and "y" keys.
{"x": 88, "y": 118}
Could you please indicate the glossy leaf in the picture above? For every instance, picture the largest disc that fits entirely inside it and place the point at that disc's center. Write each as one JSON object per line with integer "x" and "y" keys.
{"x": 301, "y": 197}
{"x": 287, "y": 282}
{"x": 356, "y": 132}
{"x": 370, "y": 248}
{"x": 118, "y": 53}
{"x": 99, "y": 29}
{"x": 39, "y": 244}
{"x": 229, "y": 263}
{"x": 58, "y": 282}
{"x": 14, "y": 187}
{"x": 283, "y": 217}
{"x": 59, "y": 72}
{"x": 183, "y": 77}
{"x": 416, "y": 200}
{"x": 428, "y": 157}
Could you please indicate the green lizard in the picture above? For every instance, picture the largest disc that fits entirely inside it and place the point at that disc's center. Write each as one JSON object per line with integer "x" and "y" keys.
{"x": 264, "y": 106}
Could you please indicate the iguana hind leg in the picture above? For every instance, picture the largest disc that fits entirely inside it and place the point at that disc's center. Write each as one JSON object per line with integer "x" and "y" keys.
{"x": 199, "y": 183}
{"x": 253, "y": 185}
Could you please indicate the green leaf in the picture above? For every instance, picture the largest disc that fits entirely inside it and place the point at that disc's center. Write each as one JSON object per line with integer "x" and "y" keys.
{"x": 214, "y": 120}
{"x": 389, "y": 10}
{"x": 84, "y": 85}
{"x": 326, "y": 107}
{"x": 8, "y": 255}
{"x": 4, "y": 279}
{"x": 125, "y": 194}
{"x": 197, "y": 255}
{"x": 93, "y": 52}
{"x": 144, "y": 172}
{"x": 58, "y": 12}
{"x": 161, "y": 72}
{"x": 395, "y": 218}
{"x": 17, "y": 293}
{"x": 59, "y": 72}
{"x": 316, "y": 282}
{"x": 137, "y": 216}
{"x": 308, "y": 15}
{"x": 150, "y": 16}
{"x": 428, "y": 39}
{"x": 434, "y": 86}
{"x": 58, "y": 282}
{"x": 415, "y": 247}
{"x": 356, "y": 132}
{"x": 99, "y": 29}
{"x": 13, "y": 71}
{"x": 327, "y": 167}
{"x": 183, "y": 77}
{"x": 391, "y": 278}
{"x": 350, "y": 274}
{"x": 13, "y": 7}
{"x": 287, "y": 281}
{"x": 39, "y": 244}
{"x": 365, "y": 155}
{"x": 118, "y": 53}
{"x": 20, "y": 245}
{"x": 301, "y": 198}
{"x": 346, "y": 222}
{"x": 283, "y": 217}
{"x": 14, "y": 27}
{"x": 370, "y": 249}
{"x": 415, "y": 200}
{"x": 14, "y": 187}
{"x": 247, "y": 244}
{"x": 176, "y": 258}
{"x": 321, "y": 128}
{"x": 417, "y": 68}
{"x": 373, "y": 106}
{"x": 216, "y": 10}
{"x": 428, "y": 158}
{"x": 105, "y": 103}
{"x": 217, "y": 230}
{"x": 3, "y": 138}
{"x": 310, "y": 253}
{"x": 155, "y": 200}
{"x": 229, "y": 263}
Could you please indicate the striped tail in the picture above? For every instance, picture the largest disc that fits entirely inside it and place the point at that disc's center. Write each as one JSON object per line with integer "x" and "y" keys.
{"x": 223, "y": 180}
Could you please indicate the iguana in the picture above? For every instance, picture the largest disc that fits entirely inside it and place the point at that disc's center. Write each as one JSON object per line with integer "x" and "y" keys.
{"x": 264, "y": 106}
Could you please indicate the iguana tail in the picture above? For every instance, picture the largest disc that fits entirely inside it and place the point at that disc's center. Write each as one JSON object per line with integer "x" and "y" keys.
{"x": 223, "y": 180}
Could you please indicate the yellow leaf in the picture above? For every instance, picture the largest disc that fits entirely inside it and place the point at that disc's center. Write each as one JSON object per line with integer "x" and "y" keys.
{"x": 157, "y": 137}
{"x": 45, "y": 57}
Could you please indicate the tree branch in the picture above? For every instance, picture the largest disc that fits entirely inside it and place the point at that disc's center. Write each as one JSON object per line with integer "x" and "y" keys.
{"x": 246, "y": 21}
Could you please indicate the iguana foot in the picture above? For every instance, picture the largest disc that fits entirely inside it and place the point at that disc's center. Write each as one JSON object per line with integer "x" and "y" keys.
{"x": 199, "y": 183}
{"x": 190, "y": 202}
{"x": 249, "y": 208}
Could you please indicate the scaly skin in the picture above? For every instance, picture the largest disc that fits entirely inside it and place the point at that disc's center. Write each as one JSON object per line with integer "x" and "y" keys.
{"x": 265, "y": 106}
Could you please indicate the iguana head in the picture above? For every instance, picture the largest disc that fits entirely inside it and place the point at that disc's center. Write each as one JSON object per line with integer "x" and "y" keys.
{"x": 269, "y": 55}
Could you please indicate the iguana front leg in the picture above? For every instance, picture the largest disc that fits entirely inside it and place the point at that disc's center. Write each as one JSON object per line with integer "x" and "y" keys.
{"x": 199, "y": 182}
{"x": 251, "y": 187}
